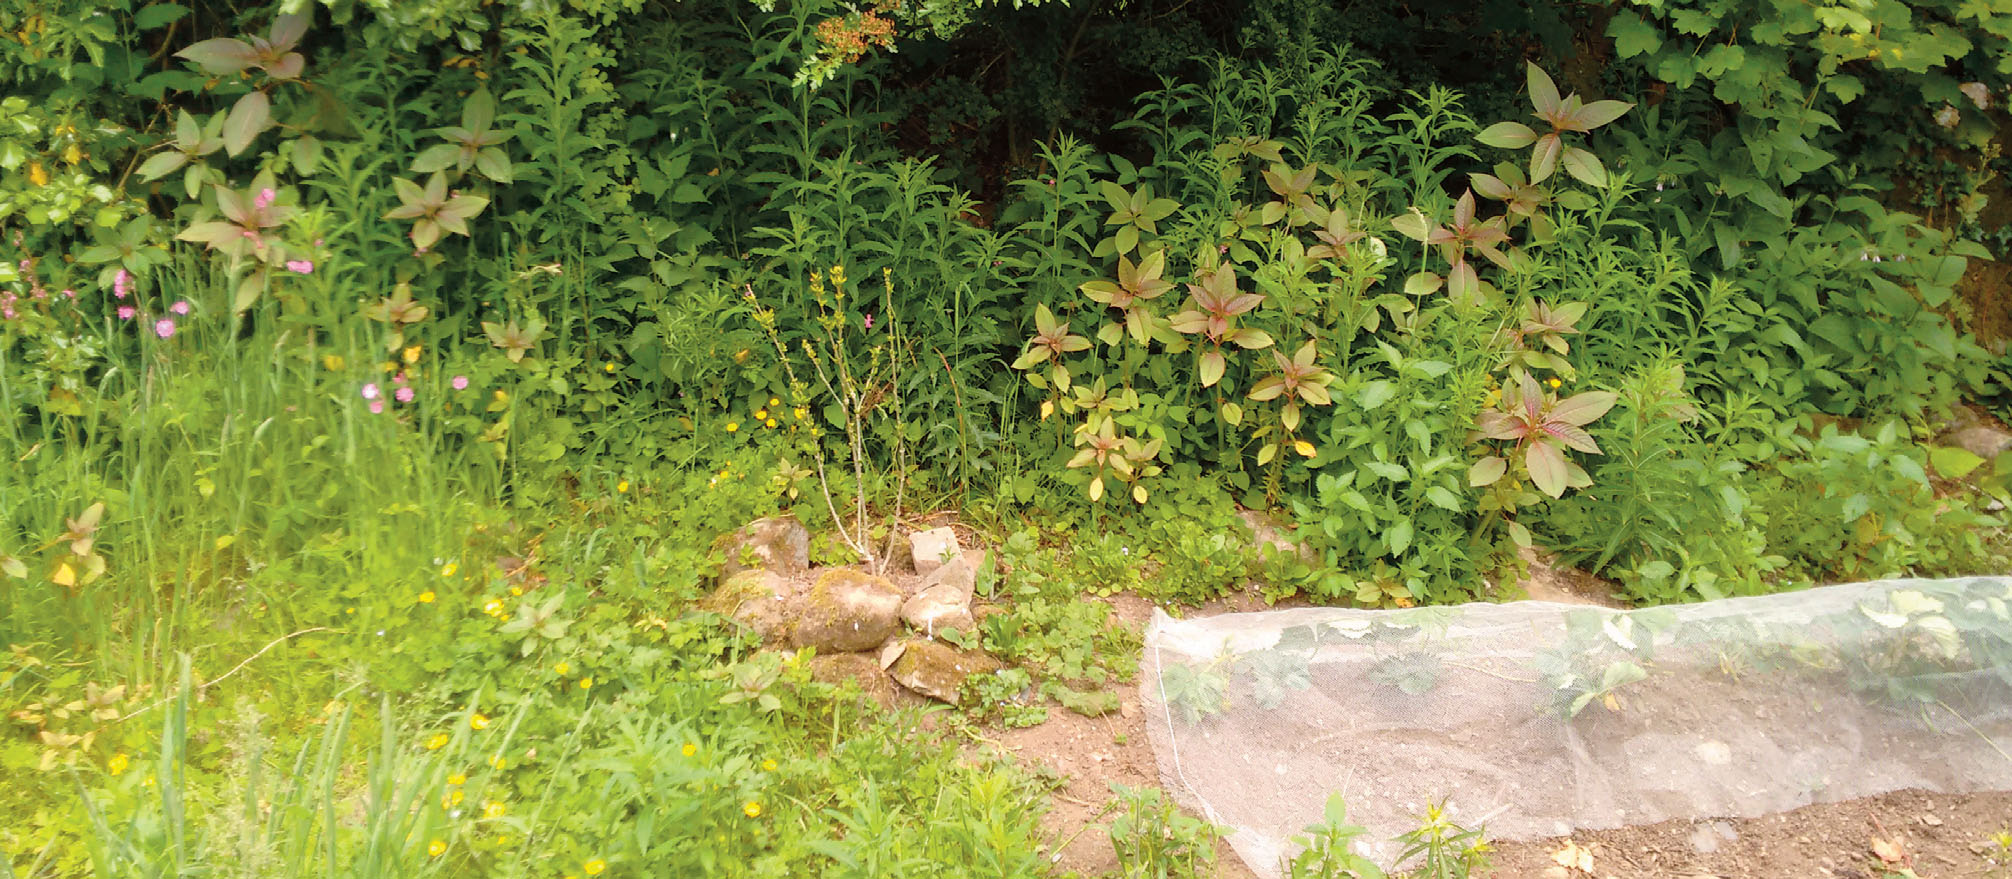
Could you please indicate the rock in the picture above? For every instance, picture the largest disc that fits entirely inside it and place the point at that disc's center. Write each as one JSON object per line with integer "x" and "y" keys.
{"x": 1972, "y": 433}
{"x": 936, "y": 669}
{"x": 760, "y": 600}
{"x": 944, "y": 602}
{"x": 1265, "y": 532}
{"x": 837, "y": 668}
{"x": 932, "y": 548}
{"x": 777, "y": 543}
{"x": 847, "y": 610}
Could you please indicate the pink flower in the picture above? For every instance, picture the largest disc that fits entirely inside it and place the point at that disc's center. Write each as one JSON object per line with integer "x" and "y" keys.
{"x": 404, "y": 395}
{"x": 126, "y": 312}
{"x": 69, "y": 293}
{"x": 370, "y": 391}
{"x": 181, "y": 306}
{"x": 869, "y": 321}
{"x": 300, "y": 266}
{"x": 460, "y": 383}
{"x": 164, "y": 327}
{"x": 264, "y": 200}
{"x": 377, "y": 407}
{"x": 122, "y": 283}
{"x": 398, "y": 379}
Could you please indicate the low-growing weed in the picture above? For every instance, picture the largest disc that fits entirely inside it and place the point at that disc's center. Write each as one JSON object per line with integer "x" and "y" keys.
{"x": 1154, "y": 840}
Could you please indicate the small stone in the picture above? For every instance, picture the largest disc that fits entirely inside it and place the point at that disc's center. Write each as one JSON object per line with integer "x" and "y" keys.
{"x": 847, "y": 610}
{"x": 944, "y": 601}
{"x": 932, "y": 548}
{"x": 938, "y": 670}
{"x": 837, "y": 668}
{"x": 1930, "y": 820}
{"x": 777, "y": 543}
{"x": 1715, "y": 753}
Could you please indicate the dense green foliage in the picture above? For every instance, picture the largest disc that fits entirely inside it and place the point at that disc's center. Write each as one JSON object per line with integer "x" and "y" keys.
{"x": 382, "y": 366}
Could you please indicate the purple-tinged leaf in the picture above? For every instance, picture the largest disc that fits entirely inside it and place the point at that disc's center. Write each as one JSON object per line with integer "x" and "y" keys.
{"x": 1487, "y": 471}
{"x": 1582, "y": 409}
{"x": 221, "y": 56}
{"x": 1547, "y": 468}
{"x": 249, "y": 118}
{"x": 1507, "y": 135}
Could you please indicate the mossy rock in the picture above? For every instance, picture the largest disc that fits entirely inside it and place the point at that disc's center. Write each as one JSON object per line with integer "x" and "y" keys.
{"x": 846, "y": 611}
{"x": 760, "y": 600}
{"x": 938, "y": 670}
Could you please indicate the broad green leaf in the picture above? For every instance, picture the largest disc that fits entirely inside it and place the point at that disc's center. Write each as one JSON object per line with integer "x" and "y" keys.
{"x": 437, "y": 157}
{"x": 161, "y": 165}
{"x": 1507, "y": 135}
{"x": 1443, "y": 499}
{"x": 1375, "y": 394}
{"x": 1423, "y": 284}
{"x": 159, "y": 15}
{"x": 1411, "y": 225}
{"x": 1633, "y": 35}
{"x": 1583, "y": 409}
{"x": 1585, "y": 167}
{"x": 1487, "y": 471}
{"x": 1544, "y": 157}
{"x": 1953, "y": 463}
{"x": 221, "y": 56}
{"x": 1543, "y": 92}
{"x": 1599, "y": 113}
{"x": 1398, "y": 538}
{"x": 1547, "y": 468}
{"x": 249, "y": 118}
{"x": 1212, "y": 367}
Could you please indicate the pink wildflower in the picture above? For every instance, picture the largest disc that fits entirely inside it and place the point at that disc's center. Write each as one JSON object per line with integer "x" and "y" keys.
{"x": 377, "y": 407}
{"x": 122, "y": 283}
{"x": 869, "y": 321}
{"x": 460, "y": 383}
{"x": 181, "y": 306}
{"x": 69, "y": 293}
{"x": 264, "y": 199}
{"x": 300, "y": 266}
{"x": 164, "y": 327}
{"x": 126, "y": 312}
{"x": 404, "y": 395}
{"x": 370, "y": 391}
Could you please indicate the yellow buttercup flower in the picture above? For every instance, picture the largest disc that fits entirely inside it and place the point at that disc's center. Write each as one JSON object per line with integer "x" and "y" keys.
{"x": 752, "y": 809}
{"x": 426, "y": 597}
{"x": 457, "y": 779}
{"x": 117, "y": 764}
{"x": 691, "y": 749}
{"x": 411, "y": 354}
{"x": 37, "y": 174}
{"x": 1555, "y": 383}
{"x": 497, "y": 762}
{"x": 586, "y": 683}
{"x": 452, "y": 798}
{"x": 438, "y": 741}
{"x": 436, "y": 848}
{"x": 479, "y": 721}
{"x": 771, "y": 422}
{"x": 608, "y": 367}
{"x": 594, "y": 867}
{"x": 449, "y": 569}
{"x": 733, "y": 426}
{"x": 768, "y": 765}
{"x": 622, "y": 487}
{"x": 494, "y": 607}
{"x": 761, "y": 414}
{"x": 492, "y": 809}
{"x": 563, "y": 667}
{"x": 773, "y": 402}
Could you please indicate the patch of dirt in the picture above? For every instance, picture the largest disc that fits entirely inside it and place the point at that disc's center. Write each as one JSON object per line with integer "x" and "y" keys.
{"x": 1938, "y": 835}
{"x": 1548, "y": 582}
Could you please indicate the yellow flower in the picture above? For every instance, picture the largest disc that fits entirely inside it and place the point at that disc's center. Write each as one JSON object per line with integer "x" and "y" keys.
{"x": 118, "y": 764}
{"x": 438, "y": 741}
{"x": 768, "y": 765}
{"x": 594, "y": 867}
{"x": 563, "y": 667}
{"x": 501, "y": 396}
{"x": 752, "y": 809}
{"x": 802, "y": 413}
{"x": 497, "y": 762}
{"x": 494, "y": 607}
{"x": 586, "y": 683}
{"x": 761, "y": 414}
{"x": 502, "y": 839}
{"x": 691, "y": 749}
{"x": 516, "y": 591}
{"x": 390, "y": 366}
{"x": 741, "y": 356}
{"x": 411, "y": 354}
{"x": 771, "y": 422}
{"x": 436, "y": 848}
{"x": 492, "y": 809}
{"x": 449, "y": 569}
{"x": 622, "y": 487}
{"x": 733, "y": 427}
{"x": 37, "y": 174}
{"x": 1555, "y": 383}
{"x": 479, "y": 721}
{"x": 452, "y": 798}
{"x": 333, "y": 362}
{"x": 608, "y": 367}
{"x": 426, "y": 597}
{"x": 457, "y": 779}
{"x": 838, "y": 274}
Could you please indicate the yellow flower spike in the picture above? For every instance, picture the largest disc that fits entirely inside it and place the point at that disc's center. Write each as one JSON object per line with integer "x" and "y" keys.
{"x": 438, "y": 741}
{"x": 479, "y": 721}
{"x": 563, "y": 667}
{"x": 426, "y": 597}
{"x": 801, "y": 413}
{"x": 411, "y": 354}
{"x": 457, "y": 779}
{"x": 594, "y": 867}
{"x": 752, "y": 809}
{"x": 118, "y": 764}
{"x": 436, "y": 848}
{"x": 690, "y": 749}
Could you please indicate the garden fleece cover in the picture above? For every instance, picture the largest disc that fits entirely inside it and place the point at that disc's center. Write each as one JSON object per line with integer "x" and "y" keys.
{"x": 1535, "y": 719}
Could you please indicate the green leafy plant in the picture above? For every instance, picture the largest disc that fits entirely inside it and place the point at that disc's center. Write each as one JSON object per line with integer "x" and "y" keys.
{"x": 1154, "y": 840}
{"x": 1327, "y": 848}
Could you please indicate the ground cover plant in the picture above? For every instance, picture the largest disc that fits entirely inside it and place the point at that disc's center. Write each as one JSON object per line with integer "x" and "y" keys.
{"x": 377, "y": 380}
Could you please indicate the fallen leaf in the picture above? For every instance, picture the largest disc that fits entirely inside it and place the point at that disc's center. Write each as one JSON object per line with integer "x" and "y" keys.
{"x": 1888, "y": 851}
{"x": 1572, "y": 857}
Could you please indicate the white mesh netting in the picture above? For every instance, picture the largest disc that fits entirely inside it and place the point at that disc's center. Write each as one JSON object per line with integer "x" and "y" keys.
{"x": 1535, "y": 719}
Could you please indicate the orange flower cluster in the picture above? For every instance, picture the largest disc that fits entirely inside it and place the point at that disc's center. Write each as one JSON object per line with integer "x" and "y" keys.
{"x": 848, "y": 37}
